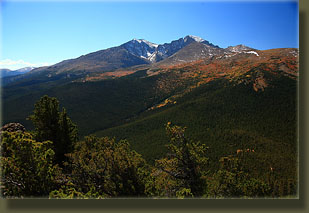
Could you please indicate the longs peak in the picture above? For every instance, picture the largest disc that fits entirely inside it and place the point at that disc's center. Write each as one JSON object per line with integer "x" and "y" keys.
{"x": 156, "y": 52}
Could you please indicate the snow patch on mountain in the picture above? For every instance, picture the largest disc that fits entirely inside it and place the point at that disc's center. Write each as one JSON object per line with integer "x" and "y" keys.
{"x": 253, "y": 52}
{"x": 145, "y": 41}
{"x": 238, "y": 48}
{"x": 294, "y": 53}
{"x": 25, "y": 69}
{"x": 196, "y": 38}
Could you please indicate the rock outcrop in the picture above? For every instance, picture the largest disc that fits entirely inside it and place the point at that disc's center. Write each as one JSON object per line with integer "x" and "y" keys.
{"x": 13, "y": 127}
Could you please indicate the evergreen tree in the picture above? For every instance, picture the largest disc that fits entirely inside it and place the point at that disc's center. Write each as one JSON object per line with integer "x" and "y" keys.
{"x": 52, "y": 125}
{"x": 45, "y": 119}
{"x": 186, "y": 163}
{"x": 67, "y": 134}
{"x": 232, "y": 180}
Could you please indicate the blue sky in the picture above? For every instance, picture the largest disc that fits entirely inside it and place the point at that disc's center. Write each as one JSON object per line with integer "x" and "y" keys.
{"x": 39, "y": 33}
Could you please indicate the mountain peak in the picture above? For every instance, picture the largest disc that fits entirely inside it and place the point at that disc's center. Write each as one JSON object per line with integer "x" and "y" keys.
{"x": 134, "y": 40}
{"x": 195, "y": 38}
{"x": 8, "y": 72}
{"x": 239, "y": 48}
{"x": 192, "y": 38}
{"x": 25, "y": 69}
{"x": 154, "y": 52}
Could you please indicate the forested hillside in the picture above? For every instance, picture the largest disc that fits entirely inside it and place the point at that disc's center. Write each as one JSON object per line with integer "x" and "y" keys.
{"x": 223, "y": 124}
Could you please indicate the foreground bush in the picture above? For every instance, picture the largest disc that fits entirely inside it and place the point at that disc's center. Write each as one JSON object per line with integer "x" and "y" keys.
{"x": 27, "y": 167}
{"x": 102, "y": 167}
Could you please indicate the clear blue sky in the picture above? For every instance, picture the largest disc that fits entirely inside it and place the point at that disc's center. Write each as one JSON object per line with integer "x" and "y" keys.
{"x": 37, "y": 32}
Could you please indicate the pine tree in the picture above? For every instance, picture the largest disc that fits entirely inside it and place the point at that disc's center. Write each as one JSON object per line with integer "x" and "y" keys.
{"x": 45, "y": 119}
{"x": 68, "y": 133}
{"x": 186, "y": 163}
{"x": 52, "y": 125}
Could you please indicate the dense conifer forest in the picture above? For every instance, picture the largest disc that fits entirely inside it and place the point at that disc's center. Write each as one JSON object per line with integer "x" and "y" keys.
{"x": 51, "y": 161}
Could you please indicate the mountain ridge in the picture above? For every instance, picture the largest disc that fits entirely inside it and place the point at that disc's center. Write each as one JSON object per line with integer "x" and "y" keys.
{"x": 136, "y": 52}
{"x": 8, "y": 72}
